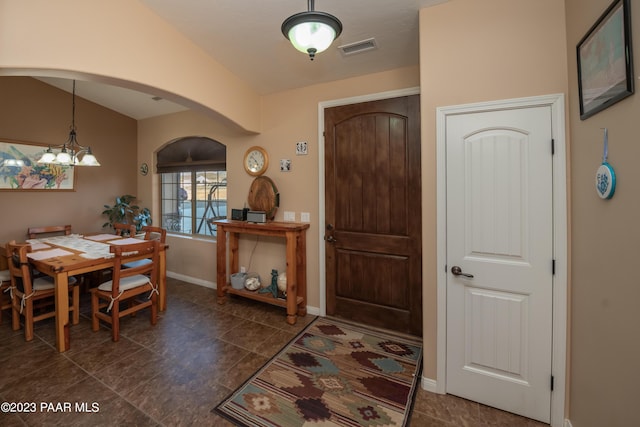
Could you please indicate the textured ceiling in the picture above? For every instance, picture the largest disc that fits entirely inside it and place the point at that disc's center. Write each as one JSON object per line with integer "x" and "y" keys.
{"x": 245, "y": 37}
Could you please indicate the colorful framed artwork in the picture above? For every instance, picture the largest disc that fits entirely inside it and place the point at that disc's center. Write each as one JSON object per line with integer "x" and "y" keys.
{"x": 605, "y": 61}
{"x": 20, "y": 171}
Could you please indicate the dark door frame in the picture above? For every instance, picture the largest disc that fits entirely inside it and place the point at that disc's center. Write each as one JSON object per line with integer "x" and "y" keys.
{"x": 322, "y": 282}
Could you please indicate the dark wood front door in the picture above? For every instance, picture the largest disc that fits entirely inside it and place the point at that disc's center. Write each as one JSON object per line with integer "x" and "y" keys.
{"x": 373, "y": 213}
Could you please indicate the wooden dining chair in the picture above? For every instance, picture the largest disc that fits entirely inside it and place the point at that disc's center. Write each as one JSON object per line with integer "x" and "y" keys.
{"x": 31, "y": 293}
{"x": 137, "y": 286}
{"x": 154, "y": 233}
{"x": 97, "y": 277}
{"x": 5, "y": 283}
{"x": 35, "y": 232}
{"x": 50, "y": 231}
{"x": 150, "y": 233}
{"x": 124, "y": 229}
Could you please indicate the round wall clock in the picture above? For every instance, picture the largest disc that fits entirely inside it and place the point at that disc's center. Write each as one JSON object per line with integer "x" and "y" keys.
{"x": 256, "y": 161}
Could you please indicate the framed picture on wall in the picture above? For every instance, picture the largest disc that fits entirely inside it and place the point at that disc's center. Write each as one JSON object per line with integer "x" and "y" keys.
{"x": 20, "y": 170}
{"x": 605, "y": 62}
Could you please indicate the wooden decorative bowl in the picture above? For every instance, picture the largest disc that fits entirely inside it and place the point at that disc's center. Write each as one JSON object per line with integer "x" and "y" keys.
{"x": 264, "y": 196}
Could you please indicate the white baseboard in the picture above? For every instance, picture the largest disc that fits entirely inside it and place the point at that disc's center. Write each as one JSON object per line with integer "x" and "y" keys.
{"x": 567, "y": 423}
{"x": 429, "y": 385}
{"x": 194, "y": 280}
{"x": 315, "y": 311}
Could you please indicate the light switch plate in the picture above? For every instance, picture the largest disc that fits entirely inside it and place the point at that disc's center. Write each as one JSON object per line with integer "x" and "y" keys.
{"x": 305, "y": 217}
{"x": 289, "y": 216}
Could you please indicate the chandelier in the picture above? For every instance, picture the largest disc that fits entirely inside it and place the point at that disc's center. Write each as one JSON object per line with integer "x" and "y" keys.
{"x": 71, "y": 150}
{"x": 311, "y": 32}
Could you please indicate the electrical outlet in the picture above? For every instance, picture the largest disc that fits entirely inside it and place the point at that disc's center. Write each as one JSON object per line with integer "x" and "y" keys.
{"x": 289, "y": 216}
{"x": 305, "y": 217}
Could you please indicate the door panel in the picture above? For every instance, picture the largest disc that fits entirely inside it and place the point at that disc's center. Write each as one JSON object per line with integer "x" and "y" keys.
{"x": 372, "y": 211}
{"x": 500, "y": 231}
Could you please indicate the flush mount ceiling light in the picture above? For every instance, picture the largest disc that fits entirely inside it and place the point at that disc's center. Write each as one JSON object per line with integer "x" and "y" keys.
{"x": 311, "y": 32}
{"x": 71, "y": 150}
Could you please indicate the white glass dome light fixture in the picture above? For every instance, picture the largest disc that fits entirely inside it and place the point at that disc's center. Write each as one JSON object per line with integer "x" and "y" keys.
{"x": 311, "y": 32}
{"x": 71, "y": 150}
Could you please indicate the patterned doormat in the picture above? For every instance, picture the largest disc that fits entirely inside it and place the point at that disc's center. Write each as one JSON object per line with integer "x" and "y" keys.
{"x": 331, "y": 374}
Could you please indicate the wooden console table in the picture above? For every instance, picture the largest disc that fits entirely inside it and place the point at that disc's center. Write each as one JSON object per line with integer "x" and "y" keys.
{"x": 296, "y": 257}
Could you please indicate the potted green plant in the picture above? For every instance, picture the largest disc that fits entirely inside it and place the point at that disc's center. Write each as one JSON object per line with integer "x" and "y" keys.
{"x": 142, "y": 218}
{"x": 125, "y": 211}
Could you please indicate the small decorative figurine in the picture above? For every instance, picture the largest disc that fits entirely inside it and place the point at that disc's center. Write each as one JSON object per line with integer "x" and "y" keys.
{"x": 282, "y": 282}
{"x": 273, "y": 287}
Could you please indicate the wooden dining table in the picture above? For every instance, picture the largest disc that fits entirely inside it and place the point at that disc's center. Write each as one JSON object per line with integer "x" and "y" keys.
{"x": 62, "y": 257}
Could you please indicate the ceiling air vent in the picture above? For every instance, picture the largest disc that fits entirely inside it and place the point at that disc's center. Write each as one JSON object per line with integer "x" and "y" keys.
{"x": 358, "y": 47}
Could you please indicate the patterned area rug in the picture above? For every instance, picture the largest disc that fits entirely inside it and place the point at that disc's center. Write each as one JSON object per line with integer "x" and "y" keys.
{"x": 331, "y": 374}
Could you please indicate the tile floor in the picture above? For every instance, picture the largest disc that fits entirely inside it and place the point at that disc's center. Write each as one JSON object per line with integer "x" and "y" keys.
{"x": 172, "y": 374}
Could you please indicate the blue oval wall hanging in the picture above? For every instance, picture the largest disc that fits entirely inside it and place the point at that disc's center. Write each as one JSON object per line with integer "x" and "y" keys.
{"x": 605, "y": 181}
{"x": 605, "y": 175}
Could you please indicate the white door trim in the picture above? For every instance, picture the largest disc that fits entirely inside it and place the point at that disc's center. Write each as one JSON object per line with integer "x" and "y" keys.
{"x": 321, "y": 203}
{"x": 560, "y": 279}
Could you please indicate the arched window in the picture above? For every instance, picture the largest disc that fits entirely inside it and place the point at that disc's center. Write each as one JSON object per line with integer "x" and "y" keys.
{"x": 193, "y": 173}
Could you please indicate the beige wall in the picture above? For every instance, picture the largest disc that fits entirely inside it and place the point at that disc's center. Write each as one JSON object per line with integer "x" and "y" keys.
{"x": 474, "y": 51}
{"x": 288, "y": 117}
{"x": 470, "y": 51}
{"x": 36, "y": 112}
{"x": 120, "y": 42}
{"x": 605, "y": 289}
{"x": 192, "y": 259}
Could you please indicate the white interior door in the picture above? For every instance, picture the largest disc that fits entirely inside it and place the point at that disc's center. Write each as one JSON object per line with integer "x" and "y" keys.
{"x": 500, "y": 231}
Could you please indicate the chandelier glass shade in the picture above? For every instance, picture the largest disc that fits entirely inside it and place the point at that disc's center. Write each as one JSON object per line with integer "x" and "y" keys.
{"x": 311, "y": 32}
{"x": 13, "y": 163}
{"x": 71, "y": 152}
